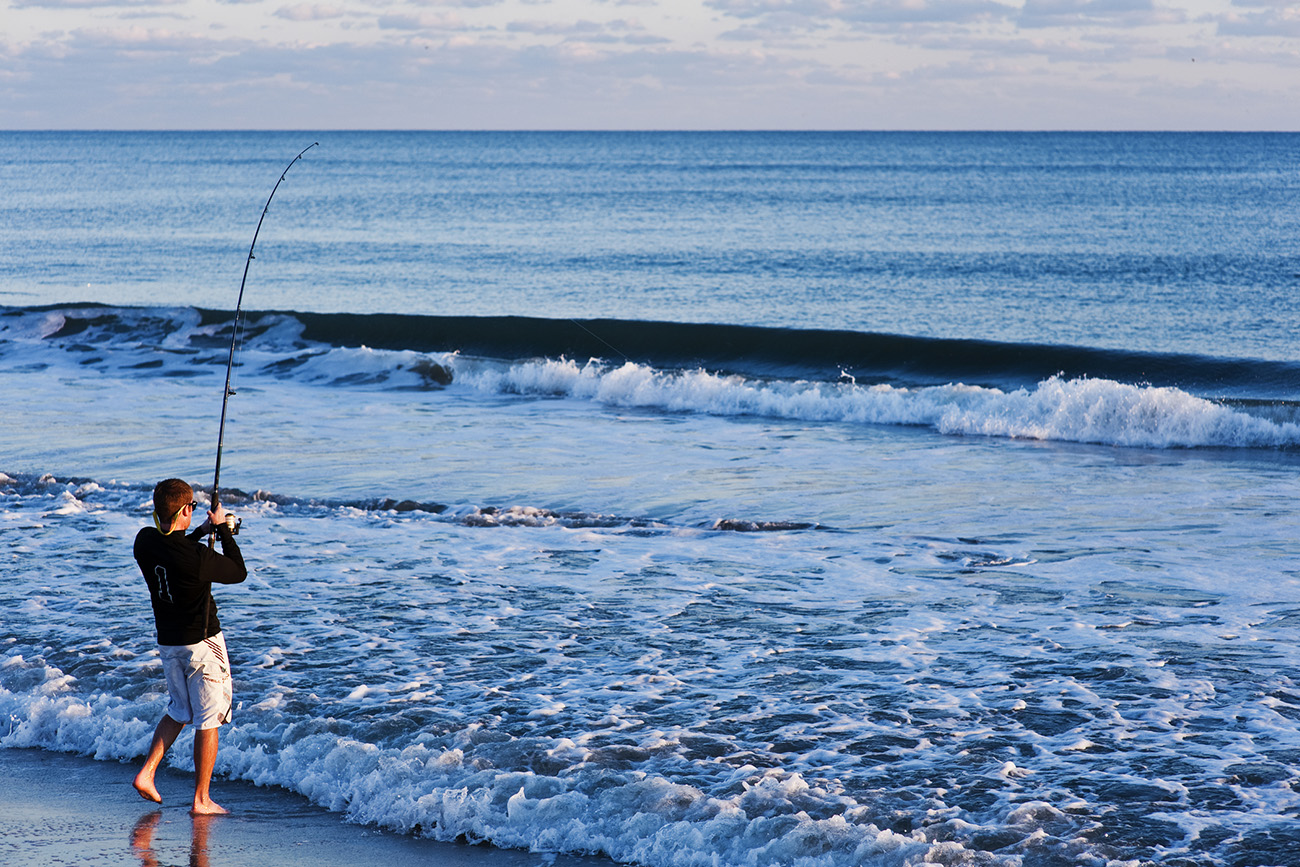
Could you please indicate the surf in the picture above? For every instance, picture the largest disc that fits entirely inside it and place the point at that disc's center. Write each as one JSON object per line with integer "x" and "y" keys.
{"x": 953, "y": 387}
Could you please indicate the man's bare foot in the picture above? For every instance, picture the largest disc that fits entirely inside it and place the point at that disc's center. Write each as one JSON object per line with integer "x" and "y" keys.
{"x": 144, "y": 785}
{"x": 208, "y": 807}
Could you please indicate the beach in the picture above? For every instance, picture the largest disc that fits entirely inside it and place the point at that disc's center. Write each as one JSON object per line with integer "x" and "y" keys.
{"x": 60, "y": 809}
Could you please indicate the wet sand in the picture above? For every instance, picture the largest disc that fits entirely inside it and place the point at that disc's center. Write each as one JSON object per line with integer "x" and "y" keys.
{"x": 60, "y": 809}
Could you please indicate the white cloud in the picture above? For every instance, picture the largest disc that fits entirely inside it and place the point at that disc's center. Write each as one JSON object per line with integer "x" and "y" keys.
{"x": 677, "y": 64}
{"x": 1097, "y": 13}
{"x": 1270, "y": 21}
{"x": 629, "y": 32}
{"x": 646, "y": 39}
{"x": 929, "y": 12}
{"x": 90, "y": 4}
{"x": 785, "y": 15}
{"x": 459, "y": 4}
{"x": 421, "y": 22}
{"x": 309, "y": 12}
{"x": 553, "y": 28}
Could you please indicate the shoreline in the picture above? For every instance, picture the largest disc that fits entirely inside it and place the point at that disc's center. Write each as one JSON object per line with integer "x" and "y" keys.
{"x": 61, "y": 808}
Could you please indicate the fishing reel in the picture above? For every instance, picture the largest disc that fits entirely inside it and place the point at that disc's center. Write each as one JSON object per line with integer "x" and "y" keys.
{"x": 232, "y": 524}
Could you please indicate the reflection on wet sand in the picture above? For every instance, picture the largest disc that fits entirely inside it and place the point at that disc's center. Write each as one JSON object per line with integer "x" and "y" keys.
{"x": 142, "y": 839}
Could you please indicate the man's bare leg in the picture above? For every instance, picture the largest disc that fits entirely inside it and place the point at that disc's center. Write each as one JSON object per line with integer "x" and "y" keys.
{"x": 163, "y": 736}
{"x": 205, "y": 759}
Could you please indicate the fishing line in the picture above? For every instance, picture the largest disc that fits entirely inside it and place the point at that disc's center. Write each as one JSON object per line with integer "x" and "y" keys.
{"x": 236, "y": 332}
{"x": 601, "y": 339}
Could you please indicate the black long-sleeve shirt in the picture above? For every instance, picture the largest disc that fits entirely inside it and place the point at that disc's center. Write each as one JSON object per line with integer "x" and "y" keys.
{"x": 180, "y": 571}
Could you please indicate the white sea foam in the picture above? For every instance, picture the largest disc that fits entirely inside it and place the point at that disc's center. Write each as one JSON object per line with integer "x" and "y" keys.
{"x": 1075, "y": 410}
{"x": 689, "y": 699}
{"x": 632, "y": 817}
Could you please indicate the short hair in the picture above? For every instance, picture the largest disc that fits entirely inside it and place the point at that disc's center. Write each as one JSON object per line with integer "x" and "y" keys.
{"x": 169, "y": 497}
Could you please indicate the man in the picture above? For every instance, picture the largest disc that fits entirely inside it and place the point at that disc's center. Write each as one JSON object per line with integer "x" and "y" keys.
{"x": 179, "y": 570}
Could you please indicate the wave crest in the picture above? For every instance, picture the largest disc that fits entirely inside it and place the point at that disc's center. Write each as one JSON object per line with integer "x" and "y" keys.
{"x": 729, "y": 379}
{"x": 1083, "y": 409}
{"x": 1114, "y": 413}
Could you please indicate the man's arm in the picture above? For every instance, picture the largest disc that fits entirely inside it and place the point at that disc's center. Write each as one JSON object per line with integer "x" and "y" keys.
{"x": 228, "y": 566}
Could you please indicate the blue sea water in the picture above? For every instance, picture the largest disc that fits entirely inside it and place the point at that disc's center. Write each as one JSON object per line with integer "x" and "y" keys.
{"x": 701, "y": 498}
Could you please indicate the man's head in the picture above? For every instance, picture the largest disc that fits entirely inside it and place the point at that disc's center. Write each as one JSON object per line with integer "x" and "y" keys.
{"x": 171, "y": 503}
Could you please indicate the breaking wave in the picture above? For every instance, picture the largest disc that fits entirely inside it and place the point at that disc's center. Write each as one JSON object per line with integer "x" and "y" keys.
{"x": 968, "y": 388}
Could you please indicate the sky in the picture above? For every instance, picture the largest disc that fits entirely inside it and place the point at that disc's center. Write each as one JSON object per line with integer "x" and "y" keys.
{"x": 650, "y": 64}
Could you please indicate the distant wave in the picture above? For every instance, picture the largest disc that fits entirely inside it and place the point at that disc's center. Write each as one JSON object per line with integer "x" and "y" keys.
{"x": 970, "y": 388}
{"x": 791, "y": 353}
{"x": 810, "y": 354}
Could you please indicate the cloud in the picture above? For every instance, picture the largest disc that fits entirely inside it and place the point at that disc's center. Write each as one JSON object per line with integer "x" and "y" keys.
{"x": 813, "y": 63}
{"x": 309, "y": 12}
{"x": 459, "y": 4}
{"x": 789, "y": 15}
{"x": 441, "y": 21}
{"x": 760, "y": 8}
{"x": 927, "y": 12}
{"x": 745, "y": 34}
{"x": 646, "y": 39}
{"x": 1226, "y": 52}
{"x": 91, "y": 4}
{"x": 554, "y": 28}
{"x": 131, "y": 39}
{"x": 1280, "y": 21}
{"x": 622, "y": 30}
{"x": 150, "y": 79}
{"x": 1016, "y": 49}
{"x": 1096, "y": 13}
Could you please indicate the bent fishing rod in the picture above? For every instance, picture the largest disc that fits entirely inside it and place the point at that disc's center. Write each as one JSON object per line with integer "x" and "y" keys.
{"x": 234, "y": 337}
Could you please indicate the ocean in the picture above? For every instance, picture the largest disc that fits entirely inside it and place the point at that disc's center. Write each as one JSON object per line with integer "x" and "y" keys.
{"x": 808, "y": 499}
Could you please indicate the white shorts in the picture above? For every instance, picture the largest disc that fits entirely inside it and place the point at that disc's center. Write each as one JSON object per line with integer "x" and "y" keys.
{"x": 198, "y": 681}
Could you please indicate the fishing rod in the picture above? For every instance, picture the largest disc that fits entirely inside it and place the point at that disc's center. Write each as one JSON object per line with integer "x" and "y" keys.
{"x": 234, "y": 336}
